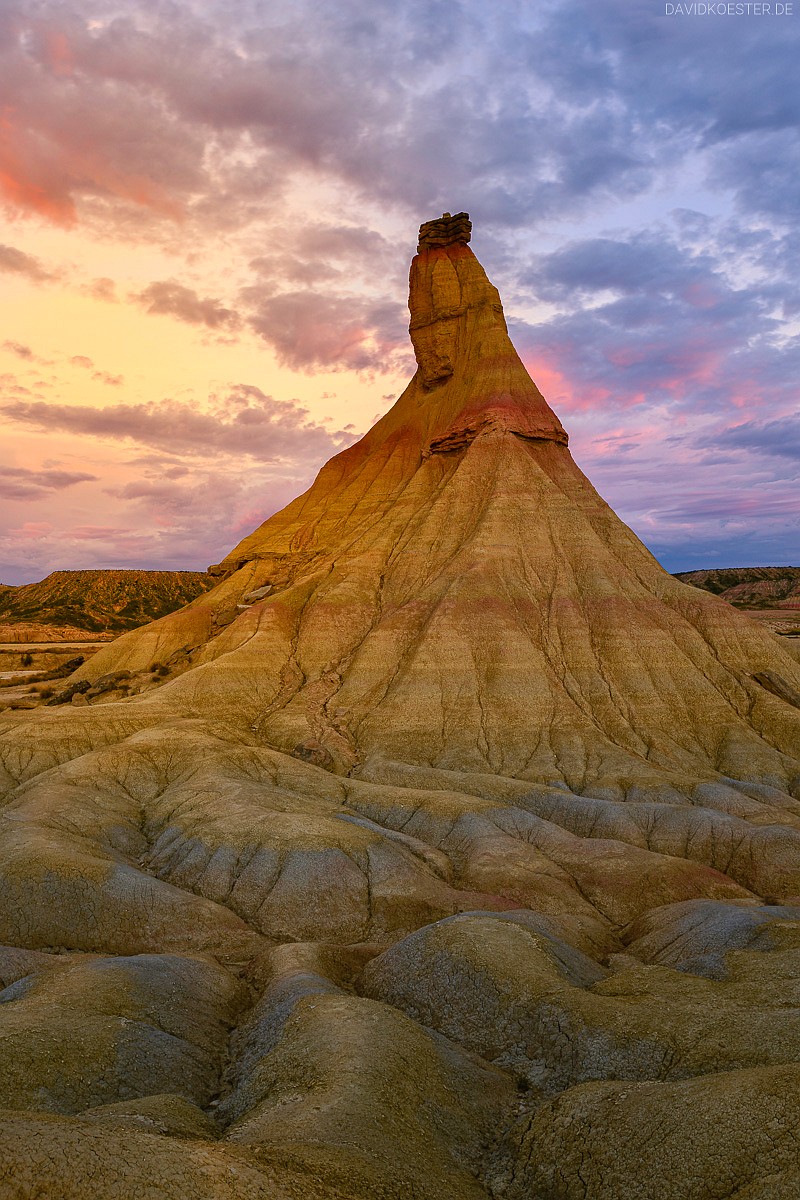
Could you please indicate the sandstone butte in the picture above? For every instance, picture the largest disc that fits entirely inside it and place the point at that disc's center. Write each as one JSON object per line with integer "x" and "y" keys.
{"x": 453, "y": 851}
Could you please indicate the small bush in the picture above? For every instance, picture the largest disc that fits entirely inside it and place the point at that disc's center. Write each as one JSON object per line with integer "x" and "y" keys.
{"x": 27, "y": 659}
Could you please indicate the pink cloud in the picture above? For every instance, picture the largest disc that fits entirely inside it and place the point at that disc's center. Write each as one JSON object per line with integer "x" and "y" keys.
{"x": 98, "y": 533}
{"x": 168, "y": 297}
{"x": 32, "y": 531}
{"x": 314, "y": 331}
{"x": 243, "y": 421}
{"x": 21, "y": 483}
{"x": 20, "y": 263}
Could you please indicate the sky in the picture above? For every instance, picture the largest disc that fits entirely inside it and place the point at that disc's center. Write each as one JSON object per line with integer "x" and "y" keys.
{"x": 208, "y": 211}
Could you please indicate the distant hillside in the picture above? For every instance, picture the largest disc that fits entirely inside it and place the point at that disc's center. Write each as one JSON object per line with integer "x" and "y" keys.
{"x": 100, "y": 601}
{"x": 747, "y": 587}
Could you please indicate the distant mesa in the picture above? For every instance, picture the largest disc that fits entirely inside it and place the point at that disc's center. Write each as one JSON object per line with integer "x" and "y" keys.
{"x": 67, "y": 604}
{"x": 446, "y": 847}
{"x": 750, "y": 587}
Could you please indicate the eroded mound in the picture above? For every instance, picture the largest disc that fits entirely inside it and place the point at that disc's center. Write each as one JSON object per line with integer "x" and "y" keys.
{"x": 453, "y": 853}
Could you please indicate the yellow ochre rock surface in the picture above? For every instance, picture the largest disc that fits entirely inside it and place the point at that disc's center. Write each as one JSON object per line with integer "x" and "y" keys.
{"x": 447, "y": 849}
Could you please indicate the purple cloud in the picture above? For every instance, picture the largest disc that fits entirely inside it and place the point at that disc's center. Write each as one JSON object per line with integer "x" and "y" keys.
{"x": 780, "y": 437}
{"x": 20, "y": 483}
{"x": 170, "y": 298}
{"x": 314, "y": 331}
{"x": 242, "y": 422}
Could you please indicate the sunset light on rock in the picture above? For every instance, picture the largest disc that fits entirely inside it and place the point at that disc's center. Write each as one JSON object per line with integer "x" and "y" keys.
{"x": 207, "y": 209}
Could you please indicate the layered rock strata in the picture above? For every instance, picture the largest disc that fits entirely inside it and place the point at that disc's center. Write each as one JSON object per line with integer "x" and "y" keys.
{"x": 452, "y": 850}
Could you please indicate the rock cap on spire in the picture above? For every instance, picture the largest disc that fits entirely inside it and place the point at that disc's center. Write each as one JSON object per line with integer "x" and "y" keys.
{"x": 444, "y": 231}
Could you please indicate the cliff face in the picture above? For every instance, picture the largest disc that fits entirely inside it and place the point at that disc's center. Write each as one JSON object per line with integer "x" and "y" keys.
{"x": 478, "y": 830}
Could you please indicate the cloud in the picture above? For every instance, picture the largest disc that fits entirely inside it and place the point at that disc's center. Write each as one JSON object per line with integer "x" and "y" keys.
{"x": 32, "y": 531}
{"x": 68, "y": 133}
{"x": 151, "y": 521}
{"x": 312, "y": 331}
{"x": 208, "y": 113}
{"x": 320, "y": 253}
{"x": 762, "y": 170}
{"x": 21, "y": 351}
{"x": 198, "y": 517}
{"x": 101, "y": 289}
{"x": 99, "y": 533}
{"x": 243, "y": 422}
{"x": 108, "y": 379}
{"x": 303, "y": 143}
{"x": 647, "y": 319}
{"x": 18, "y": 262}
{"x": 676, "y": 380}
{"x": 779, "y": 438}
{"x": 649, "y": 263}
{"x": 20, "y": 483}
{"x": 170, "y": 298}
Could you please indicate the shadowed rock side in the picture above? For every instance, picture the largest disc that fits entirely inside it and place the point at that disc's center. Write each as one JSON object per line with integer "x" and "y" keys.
{"x": 452, "y": 852}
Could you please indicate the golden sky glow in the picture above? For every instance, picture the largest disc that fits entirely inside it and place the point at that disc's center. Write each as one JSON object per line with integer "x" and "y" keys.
{"x": 209, "y": 211}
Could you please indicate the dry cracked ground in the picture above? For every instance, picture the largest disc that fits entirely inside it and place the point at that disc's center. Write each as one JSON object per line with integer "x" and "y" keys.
{"x": 451, "y": 853}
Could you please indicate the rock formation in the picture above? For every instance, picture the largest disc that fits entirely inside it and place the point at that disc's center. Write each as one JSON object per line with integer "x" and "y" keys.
{"x": 451, "y": 852}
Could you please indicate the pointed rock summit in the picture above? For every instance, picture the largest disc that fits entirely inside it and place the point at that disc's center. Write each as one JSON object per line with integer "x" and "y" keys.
{"x": 445, "y": 848}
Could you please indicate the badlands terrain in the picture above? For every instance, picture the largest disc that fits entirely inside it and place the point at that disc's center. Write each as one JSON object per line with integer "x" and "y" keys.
{"x": 447, "y": 849}
{"x": 750, "y": 587}
{"x": 67, "y": 603}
